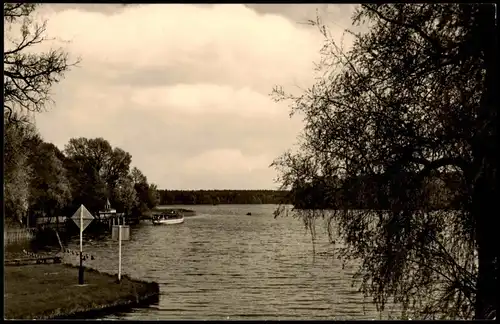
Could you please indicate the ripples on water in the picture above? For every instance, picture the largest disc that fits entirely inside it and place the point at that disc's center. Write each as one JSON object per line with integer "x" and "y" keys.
{"x": 224, "y": 264}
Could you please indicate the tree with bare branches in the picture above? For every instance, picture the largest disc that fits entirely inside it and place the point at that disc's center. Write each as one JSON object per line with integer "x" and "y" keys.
{"x": 28, "y": 74}
{"x": 412, "y": 101}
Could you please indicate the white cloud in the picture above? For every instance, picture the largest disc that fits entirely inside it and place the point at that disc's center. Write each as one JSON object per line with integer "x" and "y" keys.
{"x": 226, "y": 161}
{"x": 224, "y": 39}
{"x": 180, "y": 85}
{"x": 206, "y": 99}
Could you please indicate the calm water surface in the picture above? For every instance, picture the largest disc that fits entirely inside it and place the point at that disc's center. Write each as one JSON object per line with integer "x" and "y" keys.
{"x": 223, "y": 264}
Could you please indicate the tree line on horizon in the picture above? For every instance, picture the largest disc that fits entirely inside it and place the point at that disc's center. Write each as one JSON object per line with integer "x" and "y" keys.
{"x": 216, "y": 197}
{"x": 352, "y": 193}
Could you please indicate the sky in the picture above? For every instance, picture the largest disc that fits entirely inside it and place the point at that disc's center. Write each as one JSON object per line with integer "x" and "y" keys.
{"x": 185, "y": 89}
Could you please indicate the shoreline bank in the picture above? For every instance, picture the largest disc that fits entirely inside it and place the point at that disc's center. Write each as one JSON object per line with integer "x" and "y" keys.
{"x": 50, "y": 291}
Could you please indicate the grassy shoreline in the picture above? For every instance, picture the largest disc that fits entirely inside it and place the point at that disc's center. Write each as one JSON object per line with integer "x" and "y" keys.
{"x": 50, "y": 291}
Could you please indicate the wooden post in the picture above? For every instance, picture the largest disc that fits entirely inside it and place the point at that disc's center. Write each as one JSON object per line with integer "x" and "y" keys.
{"x": 59, "y": 240}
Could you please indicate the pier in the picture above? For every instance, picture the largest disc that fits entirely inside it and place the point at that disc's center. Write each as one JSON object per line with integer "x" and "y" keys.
{"x": 110, "y": 217}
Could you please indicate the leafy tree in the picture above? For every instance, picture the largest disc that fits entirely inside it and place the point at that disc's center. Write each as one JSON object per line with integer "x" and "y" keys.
{"x": 95, "y": 153}
{"x": 413, "y": 101}
{"x": 138, "y": 176}
{"x": 86, "y": 162}
{"x": 87, "y": 186}
{"x": 124, "y": 195}
{"x": 50, "y": 189}
{"x": 147, "y": 197}
{"x": 147, "y": 194}
{"x": 153, "y": 196}
{"x": 28, "y": 75}
{"x": 100, "y": 172}
{"x": 28, "y": 78}
{"x": 117, "y": 167}
{"x": 18, "y": 137}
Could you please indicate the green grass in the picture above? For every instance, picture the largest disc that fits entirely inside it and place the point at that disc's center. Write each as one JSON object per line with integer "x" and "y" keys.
{"x": 51, "y": 291}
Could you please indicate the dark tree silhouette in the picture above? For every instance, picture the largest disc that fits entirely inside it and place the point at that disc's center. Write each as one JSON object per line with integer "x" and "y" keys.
{"x": 28, "y": 75}
{"x": 97, "y": 170}
{"x": 50, "y": 189}
{"x": 216, "y": 197}
{"x": 413, "y": 101}
{"x": 18, "y": 138}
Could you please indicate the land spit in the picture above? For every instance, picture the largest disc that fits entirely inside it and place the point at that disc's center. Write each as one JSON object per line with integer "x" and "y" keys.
{"x": 51, "y": 291}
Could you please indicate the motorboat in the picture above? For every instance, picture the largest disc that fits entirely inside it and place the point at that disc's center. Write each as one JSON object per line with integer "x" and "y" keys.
{"x": 167, "y": 218}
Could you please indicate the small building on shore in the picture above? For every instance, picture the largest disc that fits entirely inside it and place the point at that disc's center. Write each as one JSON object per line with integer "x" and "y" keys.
{"x": 110, "y": 216}
{"x": 108, "y": 212}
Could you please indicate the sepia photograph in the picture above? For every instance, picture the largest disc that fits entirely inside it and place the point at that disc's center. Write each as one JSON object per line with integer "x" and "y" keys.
{"x": 250, "y": 161}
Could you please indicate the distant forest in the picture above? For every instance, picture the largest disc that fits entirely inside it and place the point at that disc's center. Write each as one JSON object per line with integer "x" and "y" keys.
{"x": 215, "y": 197}
{"x": 354, "y": 193}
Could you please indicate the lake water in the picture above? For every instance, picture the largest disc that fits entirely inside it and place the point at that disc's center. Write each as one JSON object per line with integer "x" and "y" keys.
{"x": 223, "y": 264}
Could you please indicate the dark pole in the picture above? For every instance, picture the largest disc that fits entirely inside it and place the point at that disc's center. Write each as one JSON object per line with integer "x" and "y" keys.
{"x": 80, "y": 270}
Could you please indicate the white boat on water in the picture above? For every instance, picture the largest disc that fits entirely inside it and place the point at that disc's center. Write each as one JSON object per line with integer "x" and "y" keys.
{"x": 168, "y": 218}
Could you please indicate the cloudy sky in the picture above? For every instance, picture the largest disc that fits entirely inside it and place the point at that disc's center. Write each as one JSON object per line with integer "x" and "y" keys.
{"x": 185, "y": 88}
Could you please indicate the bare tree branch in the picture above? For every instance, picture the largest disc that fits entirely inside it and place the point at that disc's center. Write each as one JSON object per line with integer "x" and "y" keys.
{"x": 28, "y": 77}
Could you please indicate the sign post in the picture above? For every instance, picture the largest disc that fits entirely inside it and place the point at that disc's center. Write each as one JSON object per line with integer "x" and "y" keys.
{"x": 80, "y": 269}
{"x": 82, "y": 218}
{"x": 119, "y": 253}
{"x": 122, "y": 235}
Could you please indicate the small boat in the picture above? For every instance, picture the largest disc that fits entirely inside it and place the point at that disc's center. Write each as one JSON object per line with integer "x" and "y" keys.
{"x": 168, "y": 218}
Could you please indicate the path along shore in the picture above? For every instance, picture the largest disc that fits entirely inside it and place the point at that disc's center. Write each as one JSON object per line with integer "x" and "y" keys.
{"x": 51, "y": 291}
